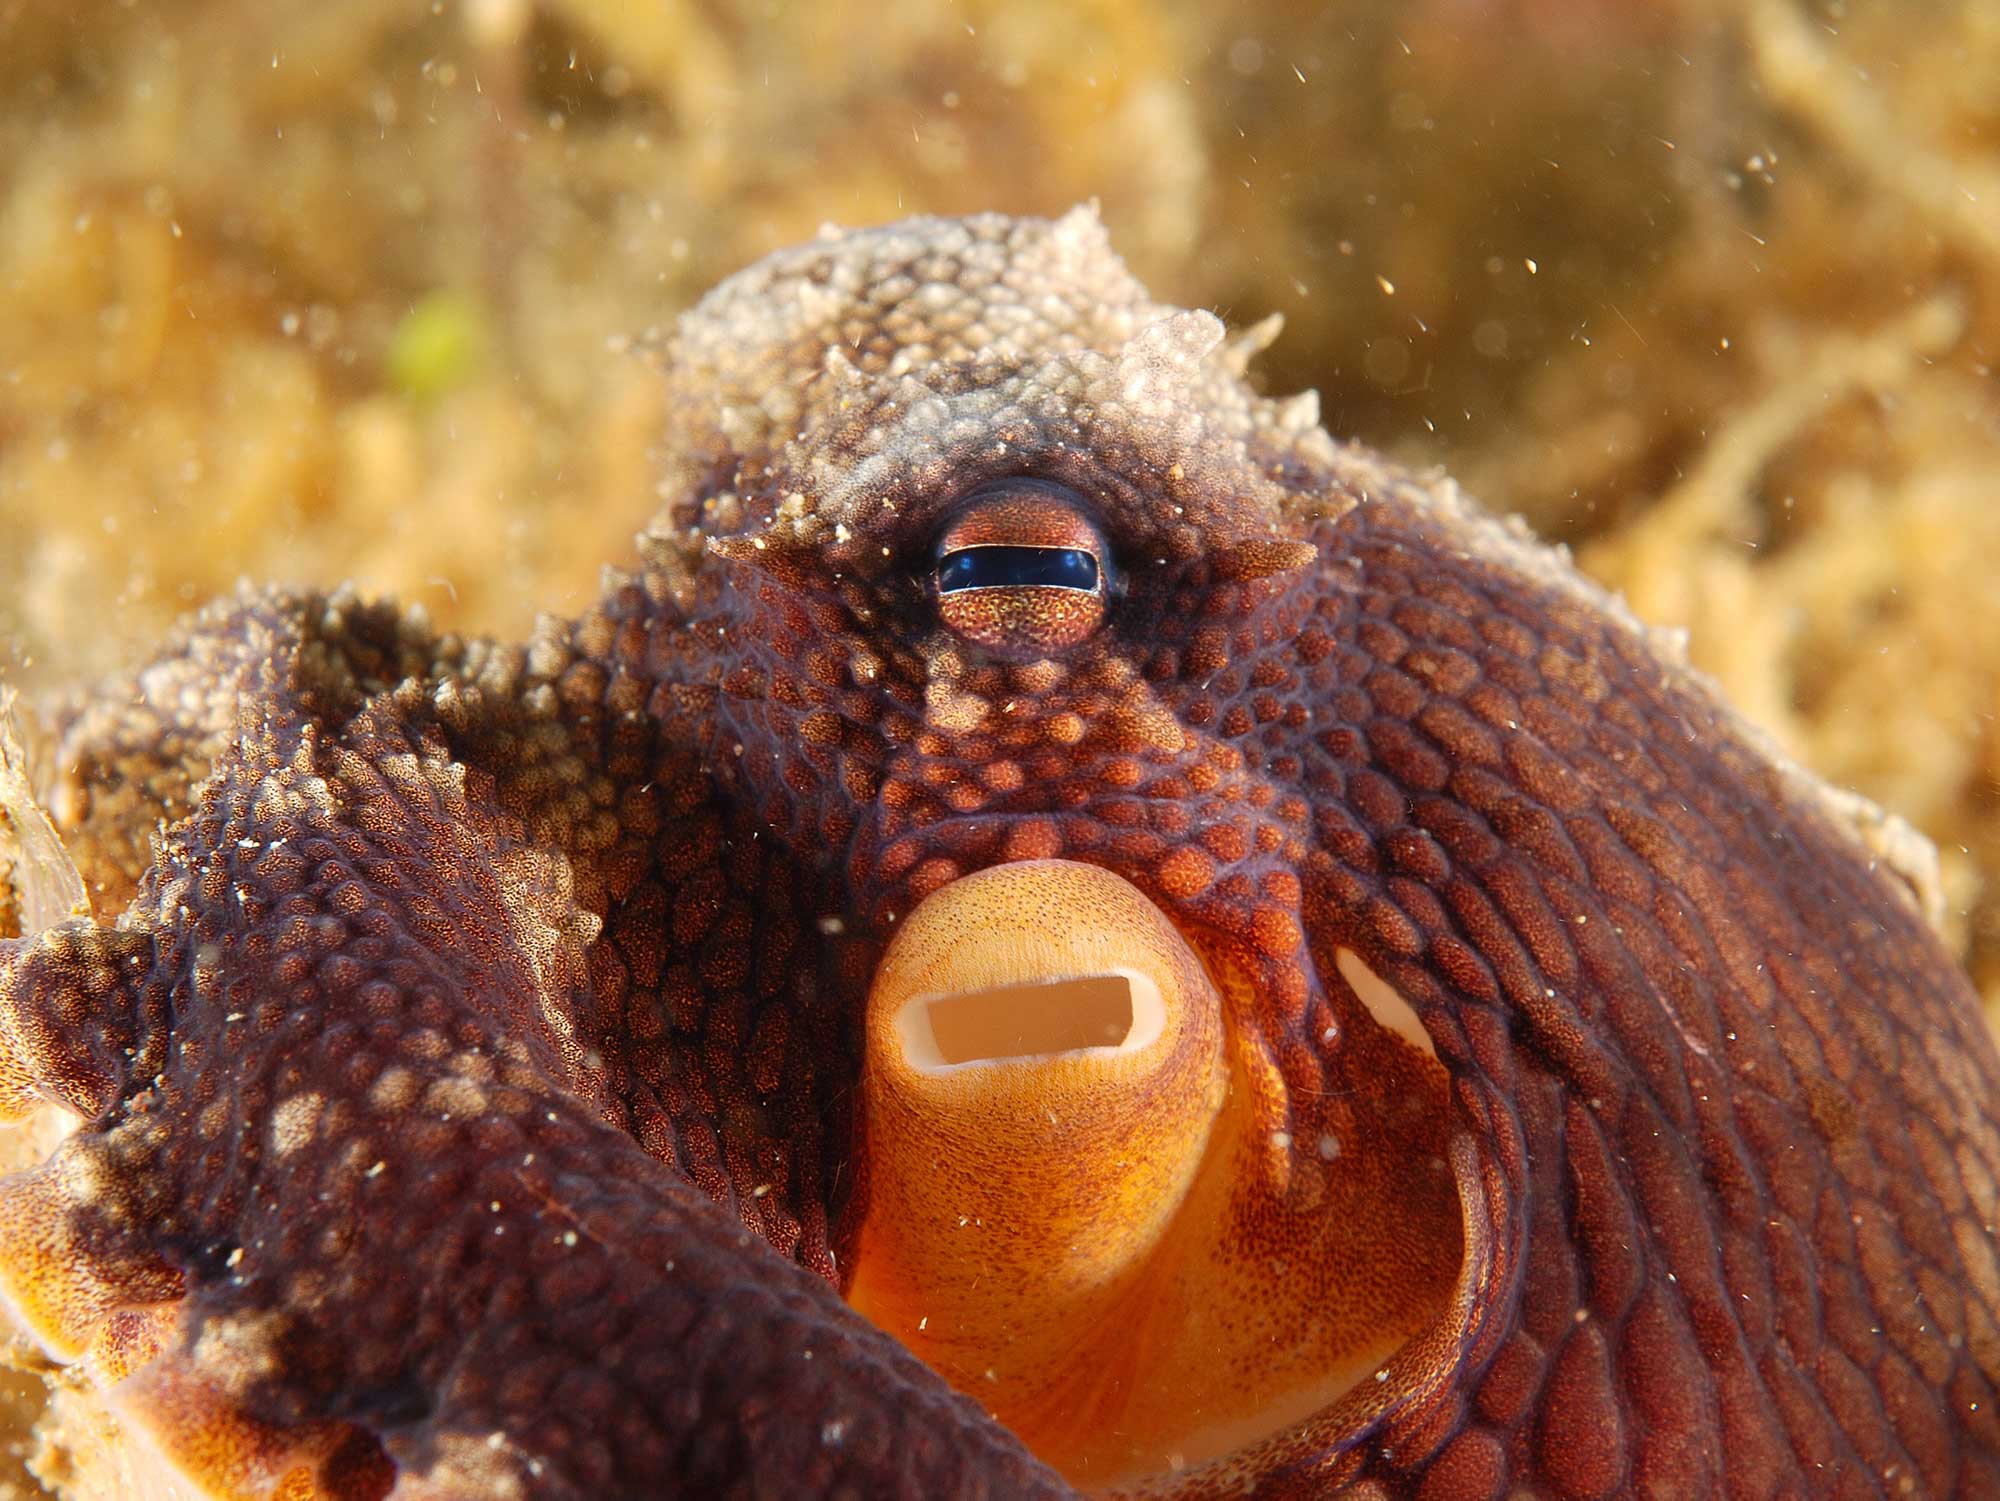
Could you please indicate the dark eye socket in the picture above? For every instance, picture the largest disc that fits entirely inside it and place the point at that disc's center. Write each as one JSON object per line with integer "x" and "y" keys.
{"x": 1016, "y": 567}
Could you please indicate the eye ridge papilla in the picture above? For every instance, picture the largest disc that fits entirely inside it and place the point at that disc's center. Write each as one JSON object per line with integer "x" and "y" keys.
{"x": 516, "y": 1070}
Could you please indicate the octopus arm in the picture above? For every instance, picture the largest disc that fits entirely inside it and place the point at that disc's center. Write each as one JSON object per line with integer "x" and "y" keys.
{"x": 347, "y": 1215}
{"x": 1729, "y": 1099}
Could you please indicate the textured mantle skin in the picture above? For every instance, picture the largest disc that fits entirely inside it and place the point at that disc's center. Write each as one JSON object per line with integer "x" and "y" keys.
{"x": 468, "y": 1074}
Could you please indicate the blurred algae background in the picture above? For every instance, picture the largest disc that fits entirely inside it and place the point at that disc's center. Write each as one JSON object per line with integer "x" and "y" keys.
{"x": 320, "y": 290}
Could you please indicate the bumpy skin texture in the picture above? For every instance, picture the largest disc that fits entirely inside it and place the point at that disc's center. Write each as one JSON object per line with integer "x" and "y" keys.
{"x": 468, "y": 1083}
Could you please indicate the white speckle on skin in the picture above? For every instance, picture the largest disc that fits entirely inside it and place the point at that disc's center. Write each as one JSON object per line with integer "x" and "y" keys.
{"x": 394, "y": 1090}
{"x": 295, "y": 1121}
{"x": 456, "y": 1096}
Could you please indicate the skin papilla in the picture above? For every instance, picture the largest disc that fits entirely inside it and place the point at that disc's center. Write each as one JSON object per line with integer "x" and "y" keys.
{"x": 477, "y": 1088}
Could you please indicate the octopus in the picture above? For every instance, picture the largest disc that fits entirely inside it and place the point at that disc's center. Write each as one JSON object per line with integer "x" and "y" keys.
{"x": 1056, "y": 929}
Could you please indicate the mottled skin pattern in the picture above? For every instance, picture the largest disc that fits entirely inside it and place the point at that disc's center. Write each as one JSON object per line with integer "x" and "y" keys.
{"x": 468, "y": 1084}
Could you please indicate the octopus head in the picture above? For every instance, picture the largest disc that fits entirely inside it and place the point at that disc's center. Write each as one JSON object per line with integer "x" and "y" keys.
{"x": 1017, "y": 615}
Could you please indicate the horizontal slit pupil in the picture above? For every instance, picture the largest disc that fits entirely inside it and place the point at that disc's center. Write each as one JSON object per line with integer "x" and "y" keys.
{"x": 1017, "y": 567}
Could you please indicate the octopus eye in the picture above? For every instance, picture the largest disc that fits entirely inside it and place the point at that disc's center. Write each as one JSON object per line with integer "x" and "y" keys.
{"x": 1022, "y": 571}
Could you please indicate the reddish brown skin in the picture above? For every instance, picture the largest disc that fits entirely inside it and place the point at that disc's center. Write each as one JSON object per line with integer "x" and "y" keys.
{"x": 1724, "y": 1106}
